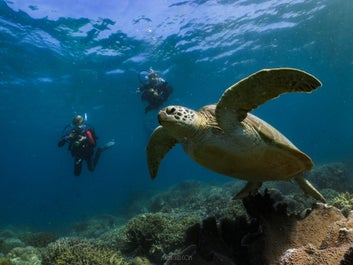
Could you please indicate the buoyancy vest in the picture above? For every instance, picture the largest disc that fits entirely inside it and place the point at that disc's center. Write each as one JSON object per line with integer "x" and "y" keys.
{"x": 91, "y": 138}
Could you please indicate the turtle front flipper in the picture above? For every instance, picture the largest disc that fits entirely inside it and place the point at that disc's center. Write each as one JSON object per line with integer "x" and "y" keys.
{"x": 250, "y": 188}
{"x": 258, "y": 88}
{"x": 158, "y": 146}
{"x": 309, "y": 189}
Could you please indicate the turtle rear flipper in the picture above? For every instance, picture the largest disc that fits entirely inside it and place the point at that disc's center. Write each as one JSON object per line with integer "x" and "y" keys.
{"x": 250, "y": 188}
{"x": 308, "y": 188}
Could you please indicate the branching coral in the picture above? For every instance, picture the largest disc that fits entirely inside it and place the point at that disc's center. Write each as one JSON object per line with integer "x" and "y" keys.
{"x": 157, "y": 234}
{"x": 344, "y": 202}
{"x": 25, "y": 256}
{"x": 75, "y": 251}
{"x": 5, "y": 261}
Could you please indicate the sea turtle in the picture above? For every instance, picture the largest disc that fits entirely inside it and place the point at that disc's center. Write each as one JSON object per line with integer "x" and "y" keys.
{"x": 229, "y": 140}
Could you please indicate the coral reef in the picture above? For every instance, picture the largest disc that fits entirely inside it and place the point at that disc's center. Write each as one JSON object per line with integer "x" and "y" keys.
{"x": 115, "y": 239}
{"x": 141, "y": 261}
{"x": 38, "y": 239}
{"x": 25, "y": 256}
{"x": 156, "y": 235}
{"x": 226, "y": 241}
{"x": 348, "y": 257}
{"x": 76, "y": 251}
{"x": 6, "y": 244}
{"x": 321, "y": 235}
{"x": 96, "y": 226}
{"x": 199, "y": 224}
{"x": 344, "y": 202}
{"x": 11, "y": 239}
{"x": 199, "y": 199}
{"x": 189, "y": 197}
{"x": 214, "y": 242}
{"x": 5, "y": 261}
{"x": 332, "y": 175}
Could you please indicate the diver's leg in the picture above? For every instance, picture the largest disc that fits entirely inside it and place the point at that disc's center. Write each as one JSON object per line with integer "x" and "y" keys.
{"x": 97, "y": 156}
{"x": 100, "y": 150}
{"x": 90, "y": 164}
{"x": 77, "y": 166}
{"x": 108, "y": 145}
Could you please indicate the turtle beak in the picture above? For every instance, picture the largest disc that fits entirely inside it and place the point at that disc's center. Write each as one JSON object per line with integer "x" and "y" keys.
{"x": 166, "y": 115}
{"x": 162, "y": 115}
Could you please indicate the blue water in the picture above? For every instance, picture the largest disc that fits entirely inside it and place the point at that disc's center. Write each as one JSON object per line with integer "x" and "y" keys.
{"x": 61, "y": 58}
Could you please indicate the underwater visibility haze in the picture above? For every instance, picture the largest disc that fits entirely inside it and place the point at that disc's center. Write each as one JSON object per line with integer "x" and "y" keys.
{"x": 61, "y": 58}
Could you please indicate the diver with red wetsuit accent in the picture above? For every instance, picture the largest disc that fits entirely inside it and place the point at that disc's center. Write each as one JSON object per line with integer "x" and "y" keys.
{"x": 82, "y": 142}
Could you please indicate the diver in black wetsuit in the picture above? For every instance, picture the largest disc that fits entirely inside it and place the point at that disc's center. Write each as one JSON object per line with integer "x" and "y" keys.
{"x": 155, "y": 92}
{"x": 82, "y": 142}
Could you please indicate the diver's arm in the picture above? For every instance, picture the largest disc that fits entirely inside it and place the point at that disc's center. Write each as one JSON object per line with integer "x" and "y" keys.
{"x": 65, "y": 139}
{"x": 142, "y": 88}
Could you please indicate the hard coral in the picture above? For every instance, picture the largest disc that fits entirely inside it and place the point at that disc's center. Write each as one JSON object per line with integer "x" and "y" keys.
{"x": 141, "y": 261}
{"x": 25, "y": 256}
{"x": 155, "y": 235}
{"x": 95, "y": 227}
{"x": 75, "y": 251}
{"x": 199, "y": 198}
{"x": 348, "y": 257}
{"x": 39, "y": 239}
{"x": 321, "y": 235}
{"x": 214, "y": 241}
{"x": 7, "y": 244}
{"x": 344, "y": 202}
{"x": 5, "y": 261}
{"x": 320, "y": 238}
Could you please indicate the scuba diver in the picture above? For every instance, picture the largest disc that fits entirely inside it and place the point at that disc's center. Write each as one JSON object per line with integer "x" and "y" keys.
{"x": 156, "y": 91}
{"x": 82, "y": 142}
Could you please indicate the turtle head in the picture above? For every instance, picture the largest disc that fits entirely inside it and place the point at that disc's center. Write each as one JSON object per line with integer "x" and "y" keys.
{"x": 180, "y": 121}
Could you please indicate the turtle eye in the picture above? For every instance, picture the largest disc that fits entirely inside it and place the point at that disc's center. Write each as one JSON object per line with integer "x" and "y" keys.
{"x": 170, "y": 110}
